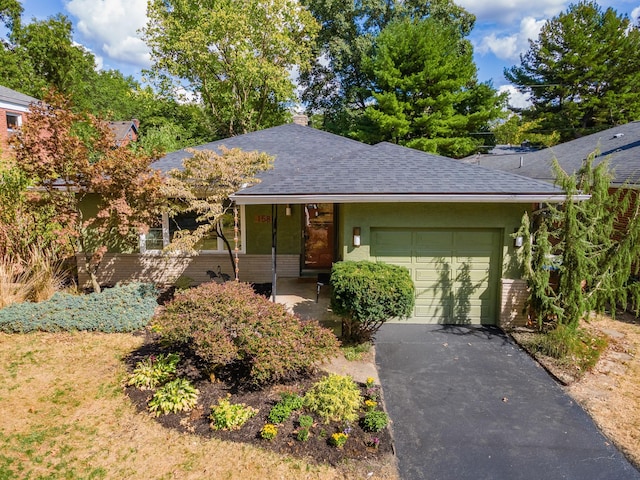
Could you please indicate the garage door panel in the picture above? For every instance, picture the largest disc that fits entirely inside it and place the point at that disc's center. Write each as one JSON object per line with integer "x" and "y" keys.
{"x": 479, "y": 241}
{"x": 391, "y": 244}
{"x": 456, "y": 272}
{"x": 433, "y": 238}
{"x": 431, "y": 276}
{"x": 434, "y": 259}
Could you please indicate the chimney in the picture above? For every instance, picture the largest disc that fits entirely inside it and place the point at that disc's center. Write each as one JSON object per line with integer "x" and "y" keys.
{"x": 301, "y": 119}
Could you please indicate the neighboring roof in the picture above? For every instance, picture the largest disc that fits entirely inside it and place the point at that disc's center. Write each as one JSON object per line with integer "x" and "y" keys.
{"x": 121, "y": 129}
{"x": 621, "y": 144}
{"x": 313, "y": 165}
{"x": 11, "y": 96}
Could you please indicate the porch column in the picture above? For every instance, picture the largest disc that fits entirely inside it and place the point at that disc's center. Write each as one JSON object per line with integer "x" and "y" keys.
{"x": 274, "y": 242}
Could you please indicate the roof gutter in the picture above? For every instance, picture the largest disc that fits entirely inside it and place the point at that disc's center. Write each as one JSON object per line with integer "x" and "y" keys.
{"x": 408, "y": 198}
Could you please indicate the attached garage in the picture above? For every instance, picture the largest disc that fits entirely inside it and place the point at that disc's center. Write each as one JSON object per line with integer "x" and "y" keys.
{"x": 456, "y": 271}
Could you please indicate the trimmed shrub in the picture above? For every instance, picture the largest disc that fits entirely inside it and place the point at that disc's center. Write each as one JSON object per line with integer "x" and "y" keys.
{"x": 225, "y": 323}
{"x": 366, "y": 294}
{"x": 123, "y": 308}
{"x": 334, "y": 398}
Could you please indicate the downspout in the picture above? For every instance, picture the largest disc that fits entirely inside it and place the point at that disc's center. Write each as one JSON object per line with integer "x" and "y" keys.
{"x": 274, "y": 242}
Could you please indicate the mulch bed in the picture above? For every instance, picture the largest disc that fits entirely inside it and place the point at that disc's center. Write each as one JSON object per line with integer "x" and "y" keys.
{"x": 231, "y": 382}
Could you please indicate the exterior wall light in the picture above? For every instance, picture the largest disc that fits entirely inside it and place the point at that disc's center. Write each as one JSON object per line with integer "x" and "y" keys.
{"x": 518, "y": 241}
{"x": 356, "y": 236}
{"x": 287, "y": 210}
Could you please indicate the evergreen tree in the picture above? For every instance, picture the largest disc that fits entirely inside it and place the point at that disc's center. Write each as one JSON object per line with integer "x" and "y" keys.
{"x": 591, "y": 247}
{"x": 425, "y": 91}
{"x": 337, "y": 85}
{"x": 583, "y": 72}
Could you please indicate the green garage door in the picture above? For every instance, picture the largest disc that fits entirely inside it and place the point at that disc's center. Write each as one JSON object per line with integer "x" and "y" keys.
{"x": 456, "y": 272}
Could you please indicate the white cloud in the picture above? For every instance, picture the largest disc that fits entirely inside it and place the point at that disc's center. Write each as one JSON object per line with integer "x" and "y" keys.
{"x": 509, "y": 47}
{"x": 516, "y": 98}
{"x": 113, "y": 25}
{"x": 98, "y": 59}
{"x": 635, "y": 13}
{"x": 508, "y": 11}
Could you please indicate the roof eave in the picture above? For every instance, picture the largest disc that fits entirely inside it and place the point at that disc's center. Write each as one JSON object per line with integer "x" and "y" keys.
{"x": 249, "y": 199}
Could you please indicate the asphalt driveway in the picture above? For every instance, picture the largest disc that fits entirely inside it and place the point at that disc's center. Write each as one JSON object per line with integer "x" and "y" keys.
{"x": 467, "y": 403}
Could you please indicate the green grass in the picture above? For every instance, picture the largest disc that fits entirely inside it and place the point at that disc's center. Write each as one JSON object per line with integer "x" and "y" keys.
{"x": 572, "y": 346}
{"x": 42, "y": 453}
{"x": 356, "y": 352}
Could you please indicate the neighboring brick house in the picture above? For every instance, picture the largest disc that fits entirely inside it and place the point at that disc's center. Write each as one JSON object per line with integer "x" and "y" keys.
{"x": 125, "y": 132}
{"x": 14, "y": 110}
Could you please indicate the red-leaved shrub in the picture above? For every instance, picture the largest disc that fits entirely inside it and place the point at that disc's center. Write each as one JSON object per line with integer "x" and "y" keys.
{"x": 224, "y": 323}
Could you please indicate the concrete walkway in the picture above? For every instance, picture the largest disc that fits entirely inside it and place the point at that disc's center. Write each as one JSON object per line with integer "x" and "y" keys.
{"x": 300, "y": 296}
{"x": 467, "y": 403}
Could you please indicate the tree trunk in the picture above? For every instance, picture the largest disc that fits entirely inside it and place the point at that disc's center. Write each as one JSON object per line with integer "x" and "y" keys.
{"x": 229, "y": 250}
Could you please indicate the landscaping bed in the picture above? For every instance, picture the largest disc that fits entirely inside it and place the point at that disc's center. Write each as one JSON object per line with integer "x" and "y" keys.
{"x": 610, "y": 390}
{"x": 360, "y": 444}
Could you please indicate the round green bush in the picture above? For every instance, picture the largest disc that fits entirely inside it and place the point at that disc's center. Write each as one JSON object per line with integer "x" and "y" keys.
{"x": 367, "y": 294}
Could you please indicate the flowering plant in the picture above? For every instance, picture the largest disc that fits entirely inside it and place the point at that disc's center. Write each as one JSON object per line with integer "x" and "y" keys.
{"x": 338, "y": 439}
{"x": 370, "y": 405}
{"x": 373, "y": 442}
{"x": 269, "y": 431}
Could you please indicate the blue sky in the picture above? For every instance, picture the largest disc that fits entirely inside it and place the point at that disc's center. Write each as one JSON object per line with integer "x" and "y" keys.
{"x": 109, "y": 29}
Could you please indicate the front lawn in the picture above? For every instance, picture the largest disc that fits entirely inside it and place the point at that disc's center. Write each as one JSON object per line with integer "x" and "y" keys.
{"x": 65, "y": 415}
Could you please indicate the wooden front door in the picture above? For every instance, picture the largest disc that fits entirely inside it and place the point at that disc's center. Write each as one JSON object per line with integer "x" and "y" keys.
{"x": 319, "y": 236}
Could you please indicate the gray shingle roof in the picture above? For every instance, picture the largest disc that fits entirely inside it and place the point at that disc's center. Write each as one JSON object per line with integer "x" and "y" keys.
{"x": 314, "y": 162}
{"x": 621, "y": 144}
{"x": 17, "y": 98}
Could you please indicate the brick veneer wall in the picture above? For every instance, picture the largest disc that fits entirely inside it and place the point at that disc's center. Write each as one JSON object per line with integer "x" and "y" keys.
{"x": 512, "y": 301}
{"x": 165, "y": 269}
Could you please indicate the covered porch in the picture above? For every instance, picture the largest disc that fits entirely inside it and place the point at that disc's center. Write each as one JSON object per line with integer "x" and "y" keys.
{"x": 304, "y": 297}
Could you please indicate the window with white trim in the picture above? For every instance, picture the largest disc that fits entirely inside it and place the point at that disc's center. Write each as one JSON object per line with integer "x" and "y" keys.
{"x": 161, "y": 234}
{"x": 14, "y": 121}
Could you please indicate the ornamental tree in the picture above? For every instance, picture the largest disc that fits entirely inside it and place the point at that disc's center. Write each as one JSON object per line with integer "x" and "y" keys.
{"x": 592, "y": 248}
{"x": 203, "y": 186}
{"x": 70, "y": 158}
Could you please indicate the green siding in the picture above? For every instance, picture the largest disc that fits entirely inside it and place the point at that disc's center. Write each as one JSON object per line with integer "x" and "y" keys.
{"x": 258, "y": 225}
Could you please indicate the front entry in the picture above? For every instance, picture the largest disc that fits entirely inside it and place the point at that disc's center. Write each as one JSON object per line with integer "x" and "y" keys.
{"x": 319, "y": 236}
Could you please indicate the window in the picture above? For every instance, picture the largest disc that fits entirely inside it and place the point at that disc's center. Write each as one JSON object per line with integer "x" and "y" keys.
{"x": 160, "y": 235}
{"x": 14, "y": 121}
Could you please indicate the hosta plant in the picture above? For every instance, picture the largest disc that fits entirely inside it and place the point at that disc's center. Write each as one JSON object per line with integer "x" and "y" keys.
{"x": 176, "y": 396}
{"x": 230, "y": 416}
{"x": 154, "y": 371}
{"x": 305, "y": 421}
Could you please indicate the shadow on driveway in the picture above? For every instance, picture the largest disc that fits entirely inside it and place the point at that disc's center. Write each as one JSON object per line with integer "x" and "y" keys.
{"x": 467, "y": 403}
